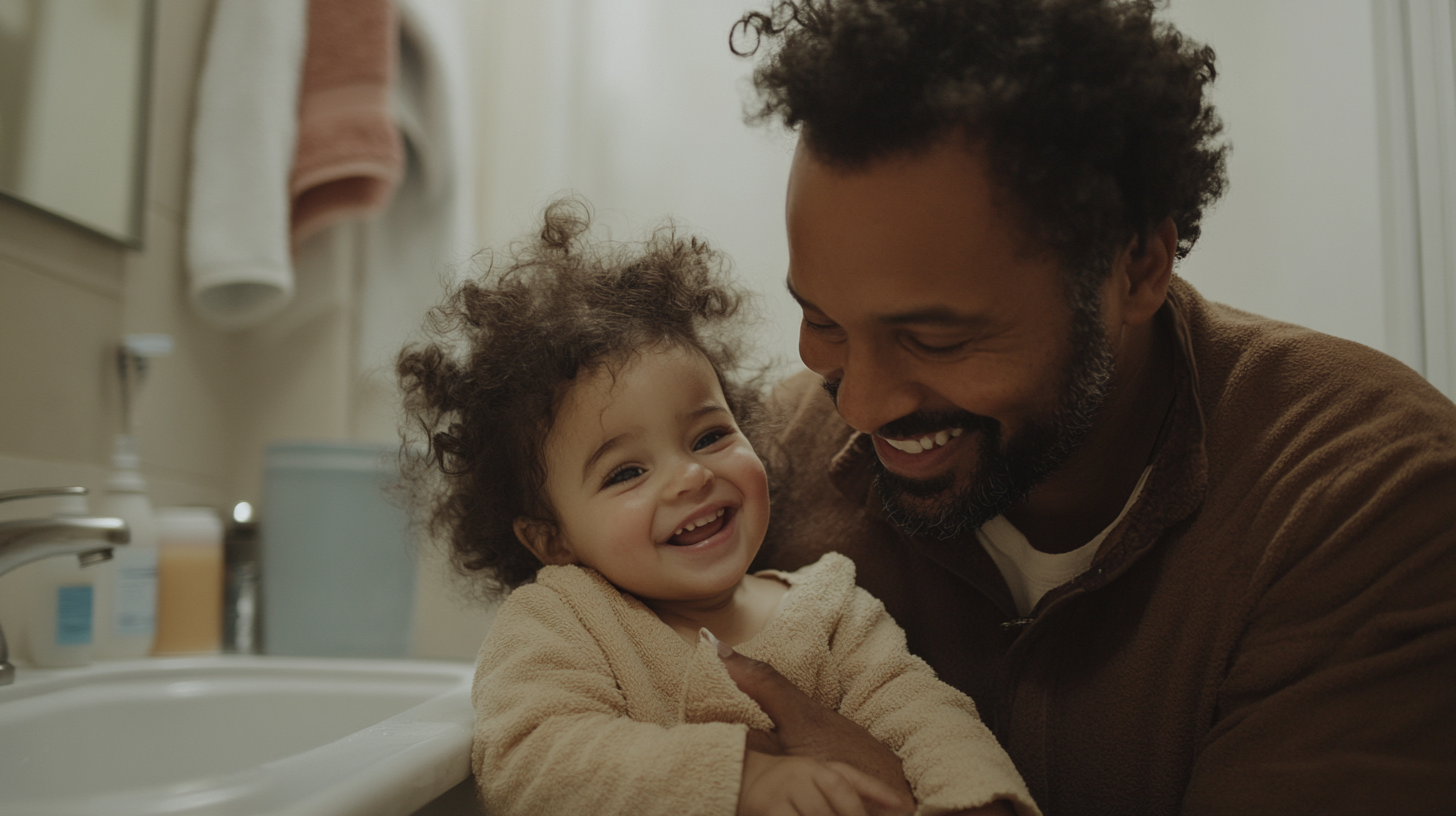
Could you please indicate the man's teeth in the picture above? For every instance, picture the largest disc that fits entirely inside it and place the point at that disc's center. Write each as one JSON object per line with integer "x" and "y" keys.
{"x": 924, "y": 443}
{"x": 696, "y": 523}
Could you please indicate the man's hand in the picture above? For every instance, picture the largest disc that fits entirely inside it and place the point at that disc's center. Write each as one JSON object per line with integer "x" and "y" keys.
{"x": 805, "y": 728}
{"x": 800, "y": 786}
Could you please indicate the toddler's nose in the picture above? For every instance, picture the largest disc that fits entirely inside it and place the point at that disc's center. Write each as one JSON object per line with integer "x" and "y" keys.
{"x": 692, "y": 478}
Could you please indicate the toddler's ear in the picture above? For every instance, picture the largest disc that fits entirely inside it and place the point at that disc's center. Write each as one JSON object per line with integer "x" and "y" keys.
{"x": 540, "y": 537}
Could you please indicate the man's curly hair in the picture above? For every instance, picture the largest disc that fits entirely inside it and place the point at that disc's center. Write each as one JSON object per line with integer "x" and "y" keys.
{"x": 1092, "y": 114}
{"x": 481, "y": 395}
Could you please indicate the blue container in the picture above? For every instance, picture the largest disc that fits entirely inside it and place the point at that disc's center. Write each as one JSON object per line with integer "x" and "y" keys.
{"x": 337, "y": 559}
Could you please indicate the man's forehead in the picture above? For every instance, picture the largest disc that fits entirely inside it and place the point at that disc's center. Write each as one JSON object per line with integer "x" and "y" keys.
{"x": 921, "y": 237}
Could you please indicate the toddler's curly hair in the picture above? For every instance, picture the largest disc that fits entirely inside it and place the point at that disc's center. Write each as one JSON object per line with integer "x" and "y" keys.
{"x": 481, "y": 394}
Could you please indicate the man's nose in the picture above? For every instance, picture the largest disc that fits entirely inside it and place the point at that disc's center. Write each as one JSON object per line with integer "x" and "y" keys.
{"x": 871, "y": 385}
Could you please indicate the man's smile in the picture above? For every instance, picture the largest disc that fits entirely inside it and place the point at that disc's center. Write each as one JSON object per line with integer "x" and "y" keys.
{"x": 921, "y": 457}
{"x": 924, "y": 443}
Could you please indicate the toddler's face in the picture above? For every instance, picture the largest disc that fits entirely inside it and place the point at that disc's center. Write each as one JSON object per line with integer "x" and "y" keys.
{"x": 633, "y": 461}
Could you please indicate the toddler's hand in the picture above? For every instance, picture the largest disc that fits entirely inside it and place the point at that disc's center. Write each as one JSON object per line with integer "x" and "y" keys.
{"x": 801, "y": 786}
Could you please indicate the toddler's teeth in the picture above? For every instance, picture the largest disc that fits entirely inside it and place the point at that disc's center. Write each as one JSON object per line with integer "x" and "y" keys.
{"x": 957, "y": 431}
{"x": 926, "y": 443}
{"x": 942, "y": 438}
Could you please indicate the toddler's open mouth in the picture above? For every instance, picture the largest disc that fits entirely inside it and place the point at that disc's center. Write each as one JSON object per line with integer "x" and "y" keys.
{"x": 700, "y": 530}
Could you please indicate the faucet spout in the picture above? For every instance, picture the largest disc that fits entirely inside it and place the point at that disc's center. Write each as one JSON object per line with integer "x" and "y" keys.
{"x": 28, "y": 540}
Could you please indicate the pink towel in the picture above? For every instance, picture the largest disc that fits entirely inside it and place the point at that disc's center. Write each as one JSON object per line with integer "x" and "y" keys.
{"x": 349, "y": 157}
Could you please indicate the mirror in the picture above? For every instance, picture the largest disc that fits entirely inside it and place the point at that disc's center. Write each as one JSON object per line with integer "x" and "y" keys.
{"x": 73, "y": 96}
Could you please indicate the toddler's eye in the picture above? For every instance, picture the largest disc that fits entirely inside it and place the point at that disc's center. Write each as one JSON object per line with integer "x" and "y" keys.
{"x": 709, "y": 438}
{"x": 625, "y": 474}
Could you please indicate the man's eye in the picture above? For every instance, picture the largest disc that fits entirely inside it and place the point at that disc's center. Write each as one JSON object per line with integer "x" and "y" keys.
{"x": 621, "y": 475}
{"x": 938, "y": 348}
{"x": 709, "y": 438}
{"x": 819, "y": 326}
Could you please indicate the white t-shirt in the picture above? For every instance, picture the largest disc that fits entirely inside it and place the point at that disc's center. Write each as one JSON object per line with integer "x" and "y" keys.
{"x": 1031, "y": 573}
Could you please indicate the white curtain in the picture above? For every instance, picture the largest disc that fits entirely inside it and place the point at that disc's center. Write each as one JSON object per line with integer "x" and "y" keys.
{"x": 1416, "y": 67}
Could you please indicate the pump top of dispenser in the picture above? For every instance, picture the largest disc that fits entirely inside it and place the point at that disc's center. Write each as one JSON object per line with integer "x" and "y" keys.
{"x": 126, "y": 476}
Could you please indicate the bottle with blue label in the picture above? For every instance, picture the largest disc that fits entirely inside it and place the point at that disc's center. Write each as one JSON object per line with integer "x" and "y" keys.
{"x": 126, "y": 586}
{"x": 59, "y": 622}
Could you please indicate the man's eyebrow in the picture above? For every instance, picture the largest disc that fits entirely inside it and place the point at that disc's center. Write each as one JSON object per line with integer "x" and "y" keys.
{"x": 605, "y": 448}
{"x": 797, "y": 297}
{"x": 935, "y": 316}
{"x": 929, "y": 316}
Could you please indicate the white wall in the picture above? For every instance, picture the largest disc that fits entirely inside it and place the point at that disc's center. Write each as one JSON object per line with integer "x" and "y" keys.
{"x": 1298, "y": 236}
{"x": 637, "y": 105}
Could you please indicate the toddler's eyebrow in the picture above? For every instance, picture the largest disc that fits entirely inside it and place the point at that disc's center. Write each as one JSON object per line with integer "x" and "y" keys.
{"x": 707, "y": 408}
{"x": 601, "y": 451}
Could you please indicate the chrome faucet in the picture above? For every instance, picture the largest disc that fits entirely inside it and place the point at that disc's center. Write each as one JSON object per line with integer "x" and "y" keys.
{"x": 90, "y": 539}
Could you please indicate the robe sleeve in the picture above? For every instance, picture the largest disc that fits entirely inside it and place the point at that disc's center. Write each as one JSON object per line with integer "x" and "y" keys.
{"x": 951, "y": 759}
{"x": 552, "y": 732}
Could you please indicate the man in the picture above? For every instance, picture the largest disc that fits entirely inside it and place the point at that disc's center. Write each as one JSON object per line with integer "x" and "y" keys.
{"x": 1185, "y": 559}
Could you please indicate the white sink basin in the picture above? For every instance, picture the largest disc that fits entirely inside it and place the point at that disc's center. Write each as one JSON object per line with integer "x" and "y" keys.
{"x": 233, "y": 735}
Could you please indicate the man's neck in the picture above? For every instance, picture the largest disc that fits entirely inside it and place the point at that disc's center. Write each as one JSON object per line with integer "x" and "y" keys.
{"x": 1088, "y": 492}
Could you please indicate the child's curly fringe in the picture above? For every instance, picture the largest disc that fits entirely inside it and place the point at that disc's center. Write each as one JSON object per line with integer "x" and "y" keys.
{"x": 481, "y": 394}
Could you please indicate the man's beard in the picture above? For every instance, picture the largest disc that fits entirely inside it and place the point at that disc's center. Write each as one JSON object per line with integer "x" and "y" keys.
{"x": 1006, "y": 470}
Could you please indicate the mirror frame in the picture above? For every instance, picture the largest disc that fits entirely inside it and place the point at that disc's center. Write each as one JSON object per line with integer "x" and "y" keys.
{"x": 136, "y": 229}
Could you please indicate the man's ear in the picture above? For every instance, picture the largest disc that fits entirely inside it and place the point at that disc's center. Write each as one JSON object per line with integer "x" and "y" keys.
{"x": 1147, "y": 265}
{"x": 543, "y": 540}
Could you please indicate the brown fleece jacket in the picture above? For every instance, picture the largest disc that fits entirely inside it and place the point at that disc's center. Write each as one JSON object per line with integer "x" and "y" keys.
{"x": 1271, "y": 628}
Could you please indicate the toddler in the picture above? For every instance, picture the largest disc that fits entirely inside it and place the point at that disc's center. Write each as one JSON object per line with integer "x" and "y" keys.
{"x": 584, "y": 446}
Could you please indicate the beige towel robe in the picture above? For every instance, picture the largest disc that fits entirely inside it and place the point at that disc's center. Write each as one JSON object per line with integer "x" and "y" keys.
{"x": 587, "y": 703}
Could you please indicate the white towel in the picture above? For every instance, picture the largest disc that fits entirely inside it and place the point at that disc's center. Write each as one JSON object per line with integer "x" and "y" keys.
{"x": 242, "y": 152}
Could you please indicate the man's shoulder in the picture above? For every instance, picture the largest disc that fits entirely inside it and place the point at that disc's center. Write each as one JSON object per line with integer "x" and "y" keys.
{"x": 1265, "y": 384}
{"x": 1335, "y": 439}
{"x": 1231, "y": 344}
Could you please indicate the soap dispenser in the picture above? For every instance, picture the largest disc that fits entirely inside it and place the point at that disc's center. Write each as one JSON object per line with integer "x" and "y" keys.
{"x": 126, "y": 586}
